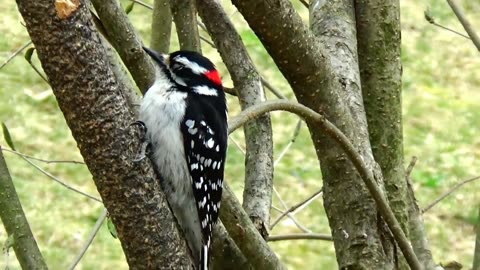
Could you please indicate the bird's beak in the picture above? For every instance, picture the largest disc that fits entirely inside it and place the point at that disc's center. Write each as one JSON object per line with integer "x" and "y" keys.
{"x": 161, "y": 58}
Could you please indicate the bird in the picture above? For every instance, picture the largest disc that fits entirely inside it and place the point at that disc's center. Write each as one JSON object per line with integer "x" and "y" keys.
{"x": 185, "y": 114}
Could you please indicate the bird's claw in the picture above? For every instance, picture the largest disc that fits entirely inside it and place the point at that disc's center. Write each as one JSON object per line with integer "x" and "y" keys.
{"x": 143, "y": 148}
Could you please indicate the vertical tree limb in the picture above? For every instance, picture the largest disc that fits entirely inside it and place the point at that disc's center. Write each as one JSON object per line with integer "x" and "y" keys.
{"x": 379, "y": 41}
{"x": 359, "y": 234}
{"x": 476, "y": 255}
{"x": 16, "y": 224}
{"x": 333, "y": 22}
{"x": 97, "y": 113}
{"x": 225, "y": 253}
{"x": 184, "y": 14}
{"x": 418, "y": 236}
{"x": 161, "y": 26}
{"x": 245, "y": 235}
{"x": 123, "y": 38}
{"x": 257, "y": 195}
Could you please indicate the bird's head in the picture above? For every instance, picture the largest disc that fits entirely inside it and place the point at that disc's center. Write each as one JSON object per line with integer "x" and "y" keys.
{"x": 189, "y": 69}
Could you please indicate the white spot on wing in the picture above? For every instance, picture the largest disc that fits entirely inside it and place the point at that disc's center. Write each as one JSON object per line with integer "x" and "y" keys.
{"x": 210, "y": 143}
{"x": 190, "y": 123}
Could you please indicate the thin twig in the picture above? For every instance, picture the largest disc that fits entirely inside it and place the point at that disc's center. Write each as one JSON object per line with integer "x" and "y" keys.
{"x": 16, "y": 53}
{"x": 304, "y": 3}
{"x": 207, "y": 41}
{"x": 38, "y": 72}
{"x": 431, "y": 20}
{"x": 294, "y": 207}
{"x": 60, "y": 181}
{"x": 300, "y": 236}
{"x": 143, "y": 4}
{"x": 449, "y": 192}
{"x": 451, "y": 30}
{"x": 90, "y": 238}
{"x": 410, "y": 167}
{"x": 238, "y": 145}
{"x": 465, "y": 23}
{"x": 42, "y": 160}
{"x": 285, "y": 208}
{"x": 337, "y": 135}
{"x": 296, "y": 132}
{"x": 272, "y": 89}
{"x": 418, "y": 235}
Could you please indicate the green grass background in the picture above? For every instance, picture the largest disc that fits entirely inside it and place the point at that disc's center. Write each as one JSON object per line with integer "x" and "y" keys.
{"x": 441, "y": 100}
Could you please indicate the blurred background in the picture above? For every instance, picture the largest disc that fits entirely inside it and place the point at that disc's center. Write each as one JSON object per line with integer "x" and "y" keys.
{"x": 441, "y": 108}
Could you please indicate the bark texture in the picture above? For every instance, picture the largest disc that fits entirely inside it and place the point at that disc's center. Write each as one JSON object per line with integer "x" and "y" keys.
{"x": 245, "y": 235}
{"x": 360, "y": 236}
{"x": 97, "y": 113}
{"x": 124, "y": 39}
{"x": 185, "y": 16}
{"x": 161, "y": 26}
{"x": 418, "y": 234}
{"x": 379, "y": 41}
{"x": 257, "y": 195}
{"x": 16, "y": 224}
{"x": 225, "y": 253}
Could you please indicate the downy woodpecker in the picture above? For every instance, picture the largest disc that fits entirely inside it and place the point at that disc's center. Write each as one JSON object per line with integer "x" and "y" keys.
{"x": 185, "y": 115}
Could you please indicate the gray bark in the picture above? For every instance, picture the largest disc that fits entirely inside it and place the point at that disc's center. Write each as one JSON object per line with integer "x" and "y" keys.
{"x": 257, "y": 195}
{"x": 161, "y": 26}
{"x": 184, "y": 14}
{"x": 379, "y": 41}
{"x": 360, "y": 235}
{"x": 97, "y": 113}
{"x": 124, "y": 39}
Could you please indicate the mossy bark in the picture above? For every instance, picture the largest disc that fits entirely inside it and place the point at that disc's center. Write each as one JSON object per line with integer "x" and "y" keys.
{"x": 379, "y": 41}
{"x": 161, "y": 26}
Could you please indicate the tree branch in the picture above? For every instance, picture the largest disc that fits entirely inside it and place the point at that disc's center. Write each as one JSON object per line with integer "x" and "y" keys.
{"x": 16, "y": 224}
{"x": 312, "y": 69}
{"x": 245, "y": 234}
{"x": 98, "y": 115}
{"x": 300, "y": 236}
{"x": 257, "y": 194}
{"x": 465, "y": 23}
{"x": 184, "y": 14}
{"x": 379, "y": 42}
{"x": 418, "y": 235}
{"x": 161, "y": 26}
{"x": 335, "y": 134}
{"x": 476, "y": 255}
{"x": 90, "y": 238}
{"x": 294, "y": 207}
{"x": 449, "y": 192}
{"x": 124, "y": 39}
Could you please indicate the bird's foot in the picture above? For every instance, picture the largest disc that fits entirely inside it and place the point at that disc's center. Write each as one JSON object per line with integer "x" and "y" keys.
{"x": 143, "y": 147}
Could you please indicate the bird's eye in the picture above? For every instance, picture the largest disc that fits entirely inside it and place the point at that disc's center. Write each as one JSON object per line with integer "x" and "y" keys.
{"x": 177, "y": 67}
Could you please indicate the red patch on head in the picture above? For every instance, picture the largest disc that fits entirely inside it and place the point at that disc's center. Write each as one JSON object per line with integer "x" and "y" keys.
{"x": 213, "y": 76}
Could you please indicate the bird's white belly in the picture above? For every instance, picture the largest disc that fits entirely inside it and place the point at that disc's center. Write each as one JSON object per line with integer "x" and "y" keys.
{"x": 162, "y": 112}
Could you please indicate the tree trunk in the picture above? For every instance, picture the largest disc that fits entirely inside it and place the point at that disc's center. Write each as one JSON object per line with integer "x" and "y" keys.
{"x": 378, "y": 27}
{"x": 360, "y": 236}
{"x": 97, "y": 113}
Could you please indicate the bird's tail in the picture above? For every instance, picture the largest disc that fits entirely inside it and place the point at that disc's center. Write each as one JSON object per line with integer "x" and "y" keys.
{"x": 204, "y": 258}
